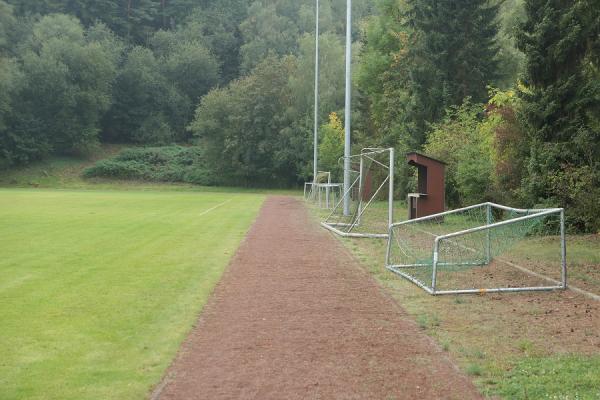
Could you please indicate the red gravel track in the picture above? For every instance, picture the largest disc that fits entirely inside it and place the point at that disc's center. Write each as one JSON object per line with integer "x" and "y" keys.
{"x": 295, "y": 317}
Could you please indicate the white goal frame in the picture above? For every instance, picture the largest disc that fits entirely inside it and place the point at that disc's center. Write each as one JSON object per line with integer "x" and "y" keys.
{"x": 324, "y": 194}
{"x": 348, "y": 229}
{"x": 487, "y": 228}
{"x": 309, "y": 187}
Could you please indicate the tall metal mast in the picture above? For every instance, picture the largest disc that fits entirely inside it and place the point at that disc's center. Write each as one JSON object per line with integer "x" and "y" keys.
{"x": 348, "y": 112}
{"x": 316, "y": 131}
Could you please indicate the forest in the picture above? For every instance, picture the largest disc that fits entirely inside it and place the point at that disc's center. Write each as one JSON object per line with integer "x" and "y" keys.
{"x": 220, "y": 92}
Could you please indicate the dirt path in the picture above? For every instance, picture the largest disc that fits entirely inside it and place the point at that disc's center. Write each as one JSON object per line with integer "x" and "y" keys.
{"x": 295, "y": 317}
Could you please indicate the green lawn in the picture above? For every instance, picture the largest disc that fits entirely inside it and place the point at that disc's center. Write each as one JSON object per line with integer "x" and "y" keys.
{"x": 99, "y": 288}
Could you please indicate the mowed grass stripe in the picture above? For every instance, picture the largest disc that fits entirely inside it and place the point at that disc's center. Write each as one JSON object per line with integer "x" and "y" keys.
{"x": 98, "y": 289}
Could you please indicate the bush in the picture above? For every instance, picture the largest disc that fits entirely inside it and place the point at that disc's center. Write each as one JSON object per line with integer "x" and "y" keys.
{"x": 116, "y": 170}
{"x": 465, "y": 144}
{"x": 156, "y": 164}
{"x": 331, "y": 147}
{"x": 577, "y": 190}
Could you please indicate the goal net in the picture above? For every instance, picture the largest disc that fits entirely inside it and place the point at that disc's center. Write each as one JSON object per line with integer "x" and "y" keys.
{"x": 322, "y": 192}
{"x": 482, "y": 248}
{"x": 310, "y": 191}
{"x": 368, "y": 208}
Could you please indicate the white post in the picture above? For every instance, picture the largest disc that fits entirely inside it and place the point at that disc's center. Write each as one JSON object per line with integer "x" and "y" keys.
{"x": 436, "y": 249}
{"x": 488, "y": 245}
{"x": 316, "y": 130}
{"x": 563, "y": 250}
{"x": 360, "y": 190}
{"x": 391, "y": 186}
{"x": 348, "y": 112}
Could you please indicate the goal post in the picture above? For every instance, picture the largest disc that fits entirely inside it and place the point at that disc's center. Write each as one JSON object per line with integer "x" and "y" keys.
{"x": 371, "y": 197}
{"x": 484, "y": 248}
{"x": 322, "y": 191}
{"x": 310, "y": 188}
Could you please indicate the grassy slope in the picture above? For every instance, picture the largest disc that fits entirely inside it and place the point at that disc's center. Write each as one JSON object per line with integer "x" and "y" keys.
{"x": 99, "y": 288}
{"x": 503, "y": 341}
{"x": 65, "y": 173}
{"x": 55, "y": 171}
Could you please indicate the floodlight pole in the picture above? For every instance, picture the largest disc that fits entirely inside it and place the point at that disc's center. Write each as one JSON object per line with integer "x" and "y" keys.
{"x": 316, "y": 131}
{"x": 348, "y": 112}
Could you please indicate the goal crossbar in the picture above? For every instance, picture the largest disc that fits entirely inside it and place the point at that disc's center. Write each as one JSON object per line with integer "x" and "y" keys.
{"x": 415, "y": 270}
{"x": 353, "y": 225}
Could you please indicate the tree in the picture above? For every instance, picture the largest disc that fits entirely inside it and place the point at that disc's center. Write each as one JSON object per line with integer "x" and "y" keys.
{"x": 383, "y": 75}
{"x": 266, "y": 32}
{"x": 453, "y": 54}
{"x": 248, "y": 128}
{"x": 331, "y": 75}
{"x": 8, "y": 26}
{"x": 147, "y": 107}
{"x": 219, "y": 30}
{"x": 14, "y": 148}
{"x": 462, "y": 141}
{"x": 511, "y": 60}
{"x": 186, "y": 62}
{"x": 68, "y": 83}
{"x": 561, "y": 100}
{"x": 132, "y": 19}
{"x": 331, "y": 148}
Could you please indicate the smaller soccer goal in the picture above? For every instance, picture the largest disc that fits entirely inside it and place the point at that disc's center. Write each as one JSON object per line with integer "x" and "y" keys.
{"x": 483, "y": 248}
{"x": 322, "y": 192}
{"x": 365, "y": 209}
{"x": 310, "y": 191}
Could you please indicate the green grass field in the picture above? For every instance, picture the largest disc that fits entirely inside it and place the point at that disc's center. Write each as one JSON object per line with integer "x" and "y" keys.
{"x": 99, "y": 288}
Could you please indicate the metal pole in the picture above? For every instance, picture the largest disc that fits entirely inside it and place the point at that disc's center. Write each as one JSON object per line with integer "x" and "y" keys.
{"x": 348, "y": 113}
{"x": 391, "y": 194}
{"x": 316, "y": 130}
{"x": 436, "y": 249}
{"x": 360, "y": 189}
{"x": 488, "y": 237}
{"x": 563, "y": 250}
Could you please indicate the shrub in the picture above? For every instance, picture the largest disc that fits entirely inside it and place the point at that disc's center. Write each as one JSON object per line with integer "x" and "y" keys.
{"x": 331, "y": 147}
{"x": 156, "y": 164}
{"x": 116, "y": 170}
{"x": 577, "y": 189}
{"x": 464, "y": 143}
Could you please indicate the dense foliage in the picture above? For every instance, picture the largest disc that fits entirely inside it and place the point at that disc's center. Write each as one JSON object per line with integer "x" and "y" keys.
{"x": 235, "y": 78}
{"x": 425, "y": 71}
{"x": 156, "y": 164}
{"x": 561, "y": 106}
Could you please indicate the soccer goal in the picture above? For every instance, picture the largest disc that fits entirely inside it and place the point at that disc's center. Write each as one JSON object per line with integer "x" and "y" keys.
{"x": 368, "y": 211}
{"x": 322, "y": 192}
{"x": 483, "y": 248}
{"x": 328, "y": 194}
{"x": 310, "y": 188}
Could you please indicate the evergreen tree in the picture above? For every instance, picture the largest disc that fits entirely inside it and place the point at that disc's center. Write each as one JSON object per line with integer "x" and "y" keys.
{"x": 453, "y": 54}
{"x": 383, "y": 75}
{"x": 562, "y": 106}
{"x": 8, "y": 23}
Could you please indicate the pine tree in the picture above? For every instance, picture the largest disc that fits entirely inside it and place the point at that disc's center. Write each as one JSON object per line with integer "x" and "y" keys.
{"x": 453, "y": 56}
{"x": 562, "y": 105}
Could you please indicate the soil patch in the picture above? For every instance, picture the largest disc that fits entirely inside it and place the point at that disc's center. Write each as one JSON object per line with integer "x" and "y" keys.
{"x": 296, "y": 317}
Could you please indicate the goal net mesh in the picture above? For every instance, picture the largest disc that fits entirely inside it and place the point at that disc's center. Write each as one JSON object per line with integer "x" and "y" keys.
{"x": 368, "y": 212}
{"x": 311, "y": 189}
{"x": 483, "y": 247}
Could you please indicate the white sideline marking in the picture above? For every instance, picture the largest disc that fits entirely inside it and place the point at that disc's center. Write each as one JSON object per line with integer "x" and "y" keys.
{"x": 573, "y": 288}
{"x": 214, "y": 208}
